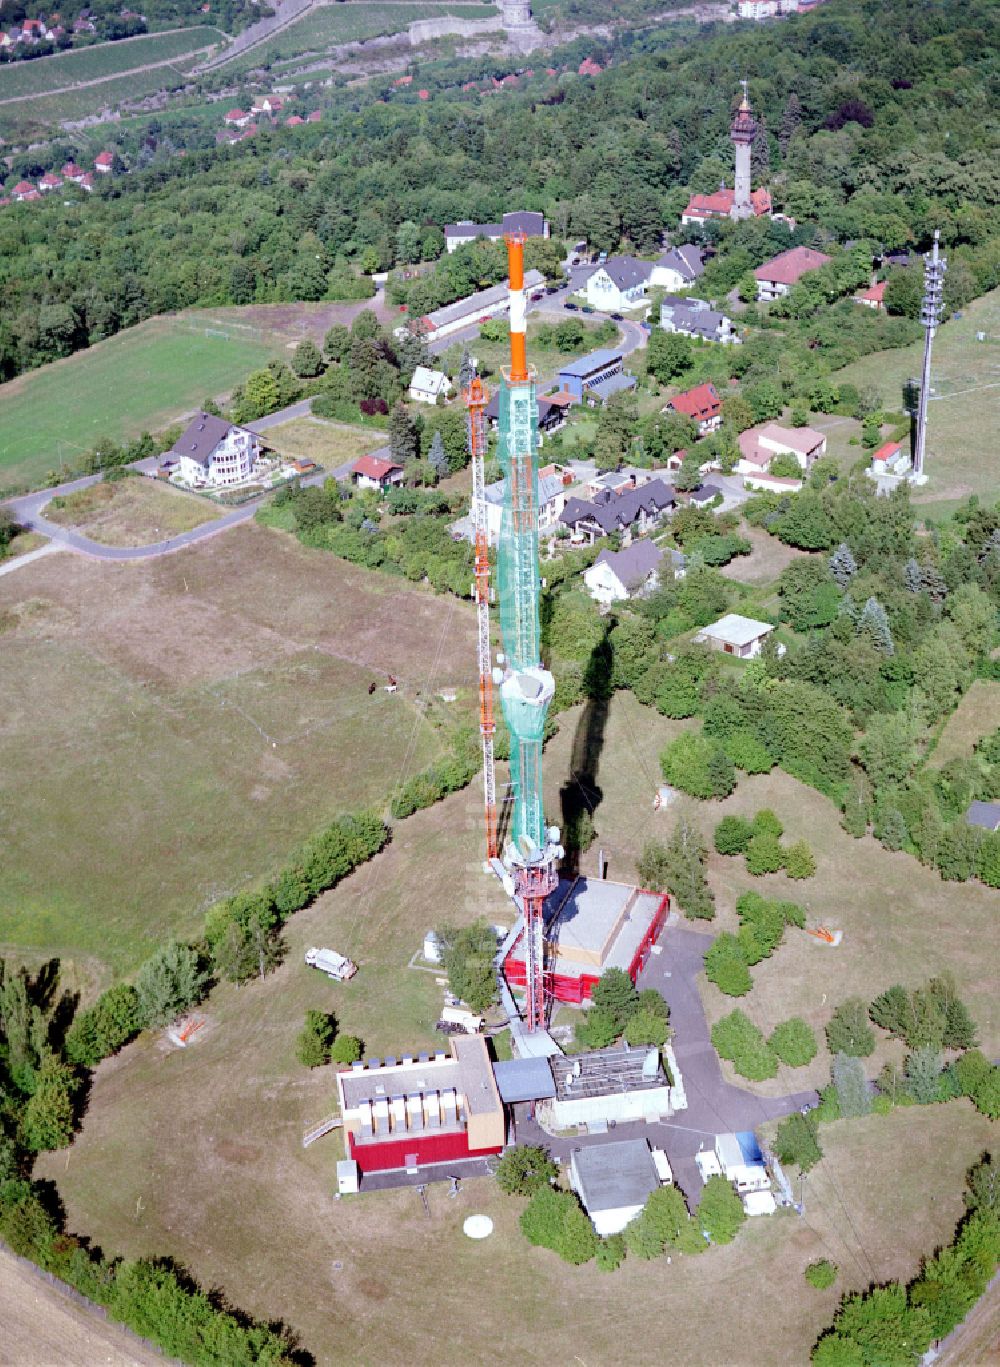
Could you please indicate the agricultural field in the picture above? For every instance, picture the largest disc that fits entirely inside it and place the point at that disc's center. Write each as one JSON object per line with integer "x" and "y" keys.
{"x": 130, "y": 512}
{"x": 327, "y": 443}
{"x": 964, "y": 408}
{"x": 140, "y": 379}
{"x": 209, "y": 748}
{"x": 330, "y": 25}
{"x": 98, "y": 63}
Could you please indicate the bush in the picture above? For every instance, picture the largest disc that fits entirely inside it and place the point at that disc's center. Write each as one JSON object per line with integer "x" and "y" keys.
{"x": 646, "y": 1028}
{"x": 597, "y": 1029}
{"x": 170, "y": 983}
{"x": 848, "y": 1031}
{"x": 797, "y": 1141}
{"x": 554, "y": 1219}
{"x": 697, "y": 766}
{"x": 720, "y": 1210}
{"x": 821, "y": 1274}
{"x": 312, "y": 1048}
{"x": 794, "y": 1042}
{"x": 737, "y": 1039}
{"x": 102, "y": 1029}
{"x": 764, "y": 855}
{"x": 766, "y": 823}
{"x": 726, "y": 966}
{"x": 799, "y": 860}
{"x": 346, "y": 1049}
{"x": 748, "y": 753}
{"x": 732, "y": 835}
{"x": 610, "y": 1253}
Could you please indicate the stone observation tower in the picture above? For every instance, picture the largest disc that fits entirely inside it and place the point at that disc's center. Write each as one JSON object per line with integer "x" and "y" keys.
{"x": 515, "y": 13}
{"x": 742, "y": 131}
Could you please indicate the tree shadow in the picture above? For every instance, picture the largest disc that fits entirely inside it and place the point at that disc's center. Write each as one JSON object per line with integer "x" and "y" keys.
{"x": 581, "y": 795}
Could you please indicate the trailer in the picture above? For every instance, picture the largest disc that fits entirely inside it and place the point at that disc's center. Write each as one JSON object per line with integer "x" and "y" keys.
{"x": 455, "y": 1019}
{"x": 331, "y": 963}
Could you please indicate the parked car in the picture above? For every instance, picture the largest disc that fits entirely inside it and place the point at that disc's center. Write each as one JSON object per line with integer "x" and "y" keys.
{"x": 617, "y": 317}
{"x": 570, "y": 305}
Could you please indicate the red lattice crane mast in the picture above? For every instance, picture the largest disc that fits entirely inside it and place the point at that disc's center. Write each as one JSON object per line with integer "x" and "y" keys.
{"x": 476, "y": 398}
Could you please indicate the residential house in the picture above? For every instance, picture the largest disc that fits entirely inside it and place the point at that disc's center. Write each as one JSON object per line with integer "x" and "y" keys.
{"x": 873, "y": 297}
{"x": 103, "y": 163}
{"x": 596, "y": 375}
{"x": 678, "y": 268}
{"x": 704, "y": 495}
{"x": 50, "y": 181}
{"x": 72, "y": 172}
{"x": 616, "y": 481}
{"x": 617, "y": 575}
{"x": 214, "y": 453}
{"x": 315, "y": 117}
{"x": 719, "y": 205}
{"x": 985, "y": 815}
{"x": 477, "y": 308}
{"x": 702, "y": 404}
{"x": 613, "y": 1181}
{"x": 86, "y": 181}
{"x": 24, "y": 190}
{"x": 82, "y": 25}
{"x": 757, "y": 9}
{"x": 760, "y": 445}
{"x": 268, "y": 104}
{"x": 694, "y": 318}
{"x": 620, "y": 282}
{"x": 294, "y": 121}
{"x": 237, "y": 118}
{"x": 531, "y": 224}
{"x": 736, "y": 635}
{"x": 640, "y": 508}
{"x": 777, "y": 276}
{"x": 551, "y": 415}
{"x": 891, "y": 458}
{"x": 551, "y": 502}
{"x": 427, "y": 386}
{"x": 373, "y": 472}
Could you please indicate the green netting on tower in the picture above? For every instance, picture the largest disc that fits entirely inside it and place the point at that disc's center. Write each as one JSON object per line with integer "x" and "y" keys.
{"x": 522, "y": 699}
{"x": 517, "y": 559}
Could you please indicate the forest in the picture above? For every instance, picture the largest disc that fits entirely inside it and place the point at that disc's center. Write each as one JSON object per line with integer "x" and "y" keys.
{"x": 865, "y": 139}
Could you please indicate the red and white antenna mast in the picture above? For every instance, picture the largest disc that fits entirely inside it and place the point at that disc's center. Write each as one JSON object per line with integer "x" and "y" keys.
{"x": 476, "y": 399}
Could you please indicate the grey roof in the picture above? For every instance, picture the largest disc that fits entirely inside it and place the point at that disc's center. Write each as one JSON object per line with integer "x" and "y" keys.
{"x": 706, "y": 493}
{"x": 604, "y": 1072}
{"x": 613, "y": 1175}
{"x": 611, "y": 511}
{"x": 467, "y": 228}
{"x": 201, "y": 436}
{"x": 475, "y": 303}
{"x": 594, "y": 360}
{"x": 522, "y": 221}
{"x": 704, "y": 322}
{"x": 524, "y": 1079}
{"x": 611, "y": 384}
{"x": 632, "y": 566}
{"x": 984, "y": 814}
{"x": 687, "y": 260}
{"x": 544, "y": 408}
{"x": 627, "y": 271}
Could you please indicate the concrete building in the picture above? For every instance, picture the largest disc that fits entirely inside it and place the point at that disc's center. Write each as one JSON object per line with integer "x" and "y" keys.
{"x": 551, "y": 502}
{"x": 613, "y": 1182}
{"x": 477, "y": 308}
{"x": 777, "y": 276}
{"x": 985, "y": 815}
{"x": 214, "y": 453}
{"x": 427, "y": 385}
{"x": 618, "y": 575}
{"x": 591, "y": 925}
{"x": 620, "y": 282}
{"x": 742, "y": 1163}
{"x": 736, "y": 635}
{"x": 531, "y": 224}
{"x": 612, "y": 1086}
{"x": 421, "y": 1111}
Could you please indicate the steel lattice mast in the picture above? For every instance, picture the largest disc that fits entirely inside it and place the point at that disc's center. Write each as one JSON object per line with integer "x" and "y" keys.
{"x": 476, "y": 399}
{"x": 526, "y": 689}
{"x": 935, "y": 266}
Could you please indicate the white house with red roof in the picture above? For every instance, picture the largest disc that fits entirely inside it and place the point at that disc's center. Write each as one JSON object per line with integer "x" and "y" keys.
{"x": 760, "y": 445}
{"x": 314, "y": 117}
{"x": 873, "y": 297}
{"x": 50, "y": 181}
{"x": 891, "y": 458}
{"x": 103, "y": 163}
{"x": 24, "y": 190}
{"x": 373, "y": 472}
{"x": 268, "y": 104}
{"x": 72, "y": 172}
{"x": 237, "y": 118}
{"x": 777, "y": 276}
{"x": 702, "y": 404}
{"x": 86, "y": 181}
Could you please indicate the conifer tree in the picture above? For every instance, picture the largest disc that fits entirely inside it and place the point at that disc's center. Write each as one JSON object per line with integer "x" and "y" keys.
{"x": 790, "y": 120}
{"x": 437, "y": 457}
{"x": 874, "y": 623}
{"x": 843, "y": 565}
{"x": 913, "y": 577}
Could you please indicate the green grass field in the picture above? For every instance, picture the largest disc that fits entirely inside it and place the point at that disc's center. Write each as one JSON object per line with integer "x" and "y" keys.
{"x": 148, "y": 772}
{"x": 964, "y": 409}
{"x": 330, "y": 25}
{"x": 141, "y": 379}
{"x": 105, "y": 59}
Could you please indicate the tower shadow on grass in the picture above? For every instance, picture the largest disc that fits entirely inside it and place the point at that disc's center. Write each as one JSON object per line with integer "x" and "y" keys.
{"x": 581, "y": 795}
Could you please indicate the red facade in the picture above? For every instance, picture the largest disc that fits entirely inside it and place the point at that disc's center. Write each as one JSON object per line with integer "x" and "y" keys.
{"x": 428, "y": 1148}
{"x": 576, "y": 989}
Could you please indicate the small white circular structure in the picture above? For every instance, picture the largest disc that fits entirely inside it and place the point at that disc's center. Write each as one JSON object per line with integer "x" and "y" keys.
{"x": 478, "y": 1227}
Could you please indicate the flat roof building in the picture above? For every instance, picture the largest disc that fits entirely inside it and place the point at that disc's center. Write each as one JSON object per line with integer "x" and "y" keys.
{"x": 590, "y": 370}
{"x": 613, "y": 1181}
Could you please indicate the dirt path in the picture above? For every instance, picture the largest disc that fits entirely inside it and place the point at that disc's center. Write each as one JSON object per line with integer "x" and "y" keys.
{"x": 115, "y": 76}
{"x": 42, "y": 1327}
{"x": 977, "y": 1338}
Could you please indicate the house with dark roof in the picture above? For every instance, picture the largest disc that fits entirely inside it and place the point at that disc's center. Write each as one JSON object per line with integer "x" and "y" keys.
{"x": 551, "y": 416}
{"x": 678, "y": 268}
{"x": 214, "y": 453}
{"x": 551, "y": 501}
{"x": 694, "y": 318}
{"x": 373, "y": 472}
{"x": 637, "y": 509}
{"x": 985, "y": 815}
{"x": 617, "y": 575}
{"x": 522, "y": 221}
{"x": 777, "y": 276}
{"x": 620, "y": 282}
{"x": 702, "y": 404}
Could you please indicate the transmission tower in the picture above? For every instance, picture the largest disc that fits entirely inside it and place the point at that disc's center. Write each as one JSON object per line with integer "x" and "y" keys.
{"x": 526, "y": 689}
{"x": 935, "y": 266}
{"x": 476, "y": 399}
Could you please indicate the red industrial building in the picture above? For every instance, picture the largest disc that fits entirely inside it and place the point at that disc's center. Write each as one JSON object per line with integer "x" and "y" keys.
{"x": 591, "y": 925}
